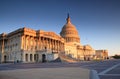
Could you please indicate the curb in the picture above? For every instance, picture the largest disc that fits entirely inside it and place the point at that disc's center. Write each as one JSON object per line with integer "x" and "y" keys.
{"x": 94, "y": 74}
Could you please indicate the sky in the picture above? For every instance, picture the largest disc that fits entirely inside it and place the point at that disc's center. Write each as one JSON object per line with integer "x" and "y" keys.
{"x": 97, "y": 21}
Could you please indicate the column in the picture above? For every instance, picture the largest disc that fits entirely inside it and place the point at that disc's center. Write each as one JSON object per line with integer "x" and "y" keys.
{"x": 46, "y": 44}
{"x": 52, "y": 44}
{"x": 39, "y": 40}
{"x": 57, "y": 46}
{"x": 37, "y": 43}
{"x": 63, "y": 47}
{"x": 49, "y": 44}
{"x": 25, "y": 43}
{"x": 28, "y": 57}
{"x": 60, "y": 46}
{"x": 43, "y": 43}
{"x": 33, "y": 57}
{"x": 29, "y": 42}
{"x": 40, "y": 43}
{"x": 23, "y": 57}
{"x": 28, "y": 45}
{"x": 21, "y": 42}
{"x": 33, "y": 43}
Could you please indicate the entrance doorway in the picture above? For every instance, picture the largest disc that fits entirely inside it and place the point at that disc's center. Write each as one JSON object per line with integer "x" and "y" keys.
{"x": 5, "y": 58}
{"x": 43, "y": 58}
{"x": 26, "y": 56}
{"x": 31, "y": 57}
{"x": 36, "y": 57}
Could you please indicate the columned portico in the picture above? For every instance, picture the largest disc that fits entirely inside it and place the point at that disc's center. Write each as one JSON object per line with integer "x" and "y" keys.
{"x": 28, "y": 45}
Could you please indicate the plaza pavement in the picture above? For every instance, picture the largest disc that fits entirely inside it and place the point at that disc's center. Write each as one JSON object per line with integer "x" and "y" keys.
{"x": 46, "y": 73}
{"x": 108, "y": 69}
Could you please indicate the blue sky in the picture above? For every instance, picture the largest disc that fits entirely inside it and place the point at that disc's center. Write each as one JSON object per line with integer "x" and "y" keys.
{"x": 97, "y": 21}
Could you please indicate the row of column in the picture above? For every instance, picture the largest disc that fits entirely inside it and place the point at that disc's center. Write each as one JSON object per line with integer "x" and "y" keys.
{"x": 52, "y": 44}
{"x": 28, "y": 42}
{"x": 41, "y": 43}
{"x": 84, "y": 53}
{"x": 72, "y": 39}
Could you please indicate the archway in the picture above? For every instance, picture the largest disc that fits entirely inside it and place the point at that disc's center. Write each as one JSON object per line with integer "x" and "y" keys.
{"x": 45, "y": 48}
{"x": 5, "y": 58}
{"x": 26, "y": 56}
{"x": 85, "y": 58}
{"x": 36, "y": 57}
{"x": 88, "y": 59}
{"x": 31, "y": 57}
{"x": 43, "y": 58}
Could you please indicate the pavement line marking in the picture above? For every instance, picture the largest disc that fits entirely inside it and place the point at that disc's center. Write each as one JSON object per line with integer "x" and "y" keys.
{"x": 90, "y": 64}
{"x": 107, "y": 70}
{"x": 112, "y": 74}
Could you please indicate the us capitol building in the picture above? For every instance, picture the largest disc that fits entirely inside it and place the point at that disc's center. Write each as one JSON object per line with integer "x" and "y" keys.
{"x": 28, "y": 45}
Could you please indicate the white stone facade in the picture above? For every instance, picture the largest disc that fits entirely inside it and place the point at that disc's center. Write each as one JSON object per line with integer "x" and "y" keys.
{"x": 73, "y": 48}
{"x": 28, "y": 45}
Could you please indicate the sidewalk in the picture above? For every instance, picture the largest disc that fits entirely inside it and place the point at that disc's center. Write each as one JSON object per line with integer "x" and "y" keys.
{"x": 46, "y": 73}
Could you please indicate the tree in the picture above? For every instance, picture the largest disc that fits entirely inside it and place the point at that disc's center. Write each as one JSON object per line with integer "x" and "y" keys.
{"x": 116, "y": 56}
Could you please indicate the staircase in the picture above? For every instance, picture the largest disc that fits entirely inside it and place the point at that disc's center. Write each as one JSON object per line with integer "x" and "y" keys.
{"x": 66, "y": 58}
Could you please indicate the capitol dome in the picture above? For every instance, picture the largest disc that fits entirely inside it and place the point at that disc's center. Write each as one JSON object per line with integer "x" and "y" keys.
{"x": 69, "y": 32}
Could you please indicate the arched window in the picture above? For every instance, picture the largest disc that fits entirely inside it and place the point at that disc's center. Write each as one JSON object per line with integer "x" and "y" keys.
{"x": 26, "y": 56}
{"x": 31, "y": 57}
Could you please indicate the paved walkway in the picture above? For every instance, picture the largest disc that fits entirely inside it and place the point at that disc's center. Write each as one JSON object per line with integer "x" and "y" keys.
{"x": 111, "y": 73}
{"x": 46, "y": 73}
